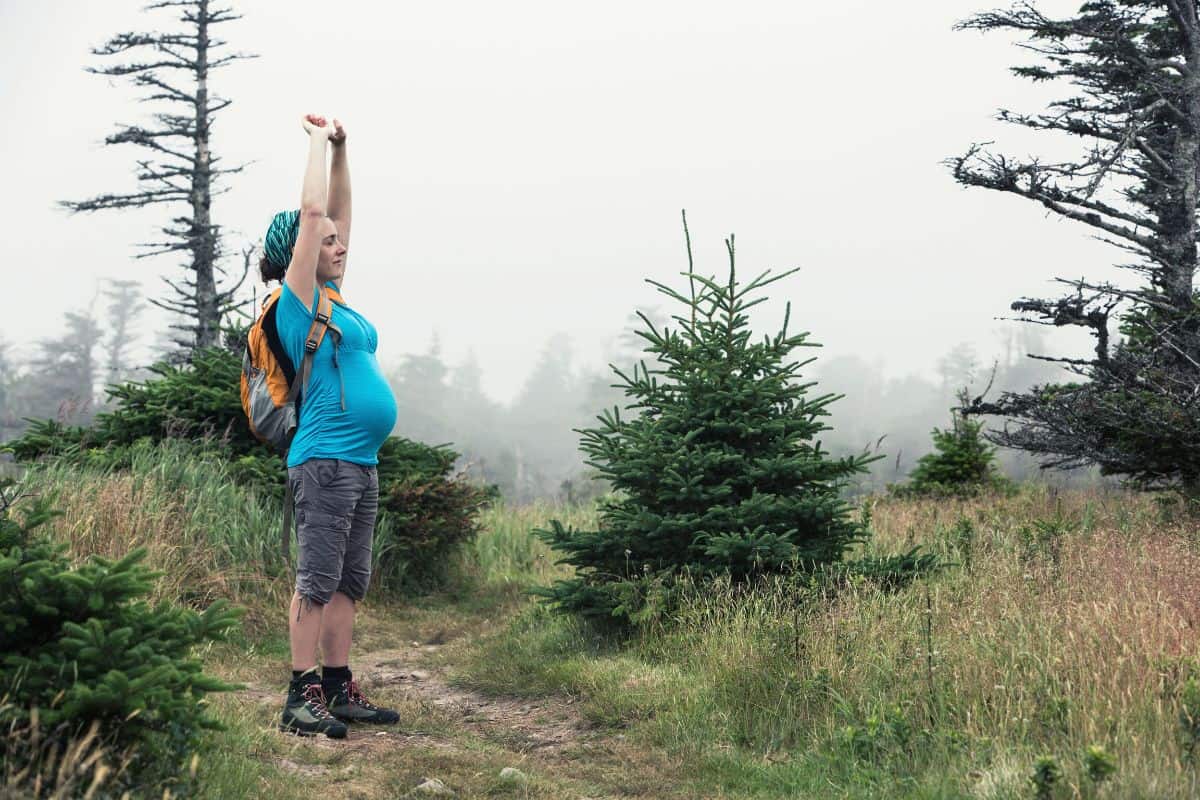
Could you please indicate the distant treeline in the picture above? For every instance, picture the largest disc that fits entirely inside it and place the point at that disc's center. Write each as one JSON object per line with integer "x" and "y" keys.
{"x": 63, "y": 376}
{"x": 528, "y": 447}
{"x": 896, "y": 416}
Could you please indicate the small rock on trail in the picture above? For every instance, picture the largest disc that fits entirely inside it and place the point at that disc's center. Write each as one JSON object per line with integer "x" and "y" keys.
{"x": 512, "y": 775}
{"x": 432, "y": 787}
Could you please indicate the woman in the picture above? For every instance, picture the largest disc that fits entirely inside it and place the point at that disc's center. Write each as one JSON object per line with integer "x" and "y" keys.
{"x": 346, "y": 413}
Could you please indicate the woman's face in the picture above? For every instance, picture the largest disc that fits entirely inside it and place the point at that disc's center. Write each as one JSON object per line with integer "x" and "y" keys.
{"x": 331, "y": 263}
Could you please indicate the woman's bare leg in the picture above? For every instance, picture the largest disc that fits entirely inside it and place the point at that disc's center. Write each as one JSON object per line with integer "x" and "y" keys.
{"x": 304, "y": 627}
{"x": 337, "y": 630}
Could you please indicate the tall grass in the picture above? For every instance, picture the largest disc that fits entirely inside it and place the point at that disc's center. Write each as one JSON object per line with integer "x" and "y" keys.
{"x": 34, "y": 766}
{"x": 506, "y": 556}
{"x": 1069, "y": 622}
{"x": 208, "y": 536}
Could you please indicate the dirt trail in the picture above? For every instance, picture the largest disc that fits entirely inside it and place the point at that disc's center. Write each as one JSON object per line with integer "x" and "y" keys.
{"x": 538, "y": 733}
{"x": 523, "y": 724}
{"x": 404, "y": 658}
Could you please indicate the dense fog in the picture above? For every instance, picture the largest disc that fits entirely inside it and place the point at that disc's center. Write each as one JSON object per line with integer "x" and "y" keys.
{"x": 529, "y": 446}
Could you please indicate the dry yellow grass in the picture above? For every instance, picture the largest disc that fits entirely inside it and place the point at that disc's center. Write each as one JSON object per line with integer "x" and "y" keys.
{"x": 1069, "y": 621}
{"x": 207, "y": 537}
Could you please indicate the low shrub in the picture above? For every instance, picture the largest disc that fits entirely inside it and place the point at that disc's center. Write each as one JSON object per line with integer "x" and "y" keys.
{"x": 1046, "y": 775}
{"x": 426, "y": 514}
{"x": 1098, "y": 764}
{"x": 427, "y": 511}
{"x": 82, "y": 651}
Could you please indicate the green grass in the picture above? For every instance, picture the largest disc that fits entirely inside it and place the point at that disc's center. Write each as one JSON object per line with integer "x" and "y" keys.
{"x": 507, "y": 555}
{"x": 1067, "y": 620}
{"x": 211, "y": 537}
{"x": 1065, "y": 624}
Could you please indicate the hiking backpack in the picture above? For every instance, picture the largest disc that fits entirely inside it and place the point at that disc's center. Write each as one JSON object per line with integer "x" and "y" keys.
{"x": 273, "y": 388}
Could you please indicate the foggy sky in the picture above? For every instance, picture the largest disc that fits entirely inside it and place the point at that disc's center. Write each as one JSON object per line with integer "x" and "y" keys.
{"x": 518, "y": 168}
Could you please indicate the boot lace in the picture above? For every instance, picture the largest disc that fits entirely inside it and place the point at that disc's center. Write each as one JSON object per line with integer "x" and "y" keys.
{"x": 356, "y": 696}
{"x": 315, "y": 697}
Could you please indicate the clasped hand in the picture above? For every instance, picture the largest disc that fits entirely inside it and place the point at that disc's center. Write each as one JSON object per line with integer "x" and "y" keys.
{"x": 315, "y": 124}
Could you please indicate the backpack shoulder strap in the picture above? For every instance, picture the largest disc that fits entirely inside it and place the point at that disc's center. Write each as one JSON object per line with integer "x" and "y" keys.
{"x": 322, "y": 322}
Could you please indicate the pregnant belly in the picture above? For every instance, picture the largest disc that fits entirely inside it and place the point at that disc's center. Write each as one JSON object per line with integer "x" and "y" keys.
{"x": 370, "y": 404}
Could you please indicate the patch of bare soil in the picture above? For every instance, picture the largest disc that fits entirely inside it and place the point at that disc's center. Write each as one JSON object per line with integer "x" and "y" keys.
{"x": 543, "y": 725}
{"x": 548, "y": 734}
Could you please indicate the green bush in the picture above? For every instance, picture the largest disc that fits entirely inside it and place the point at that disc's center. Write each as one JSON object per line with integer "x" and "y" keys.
{"x": 883, "y": 735}
{"x": 1046, "y": 775}
{"x": 1189, "y": 717}
{"x": 426, "y": 514}
{"x": 1099, "y": 764}
{"x": 199, "y": 400}
{"x": 79, "y": 646}
{"x": 426, "y": 511}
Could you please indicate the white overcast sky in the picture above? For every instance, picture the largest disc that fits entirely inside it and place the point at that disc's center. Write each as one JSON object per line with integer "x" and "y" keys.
{"x": 519, "y": 167}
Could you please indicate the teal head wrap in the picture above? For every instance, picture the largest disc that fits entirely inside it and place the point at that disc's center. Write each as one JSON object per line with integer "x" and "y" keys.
{"x": 281, "y": 238}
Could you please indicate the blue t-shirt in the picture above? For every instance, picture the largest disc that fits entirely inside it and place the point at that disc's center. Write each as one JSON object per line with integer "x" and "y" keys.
{"x": 325, "y": 430}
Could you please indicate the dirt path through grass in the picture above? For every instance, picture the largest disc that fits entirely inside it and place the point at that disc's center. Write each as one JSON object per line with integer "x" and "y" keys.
{"x": 458, "y": 737}
{"x": 525, "y": 725}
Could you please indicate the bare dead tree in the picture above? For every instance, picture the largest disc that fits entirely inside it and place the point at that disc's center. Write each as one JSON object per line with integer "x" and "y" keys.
{"x": 63, "y": 382}
{"x": 1130, "y": 407}
{"x": 180, "y": 167}
{"x": 124, "y": 307}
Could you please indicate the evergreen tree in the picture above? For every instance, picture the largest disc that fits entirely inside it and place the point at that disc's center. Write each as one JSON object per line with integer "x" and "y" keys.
{"x": 1135, "y": 69}
{"x": 81, "y": 645}
{"x": 8, "y": 382}
{"x": 962, "y": 463}
{"x": 63, "y": 382}
{"x": 420, "y": 388}
{"x": 958, "y": 367}
{"x": 124, "y": 307}
{"x": 475, "y": 423}
{"x": 542, "y": 419}
{"x": 466, "y": 382}
{"x": 718, "y": 471}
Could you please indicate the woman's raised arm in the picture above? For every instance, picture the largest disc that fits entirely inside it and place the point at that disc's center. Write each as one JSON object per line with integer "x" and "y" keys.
{"x": 339, "y": 184}
{"x": 301, "y": 275}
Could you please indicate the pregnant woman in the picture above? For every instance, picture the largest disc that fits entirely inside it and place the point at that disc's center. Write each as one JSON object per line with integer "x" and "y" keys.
{"x": 346, "y": 413}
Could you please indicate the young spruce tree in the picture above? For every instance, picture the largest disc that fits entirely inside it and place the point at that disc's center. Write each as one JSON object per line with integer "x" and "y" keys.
{"x": 962, "y": 463}
{"x": 718, "y": 473}
{"x": 81, "y": 644}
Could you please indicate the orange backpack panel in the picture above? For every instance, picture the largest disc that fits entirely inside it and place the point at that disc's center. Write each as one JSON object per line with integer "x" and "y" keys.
{"x": 271, "y": 385}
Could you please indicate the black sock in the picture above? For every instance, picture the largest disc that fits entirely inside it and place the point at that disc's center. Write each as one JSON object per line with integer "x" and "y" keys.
{"x": 335, "y": 676}
{"x": 298, "y": 675}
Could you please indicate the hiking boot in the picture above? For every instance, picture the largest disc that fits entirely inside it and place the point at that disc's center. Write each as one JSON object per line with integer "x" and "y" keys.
{"x": 305, "y": 713}
{"x": 347, "y": 703}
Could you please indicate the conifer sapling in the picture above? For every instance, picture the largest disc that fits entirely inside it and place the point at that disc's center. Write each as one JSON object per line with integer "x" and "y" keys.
{"x": 718, "y": 471}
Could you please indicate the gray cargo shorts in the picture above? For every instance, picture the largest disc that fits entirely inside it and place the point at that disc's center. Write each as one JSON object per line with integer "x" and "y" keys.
{"x": 336, "y": 505}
